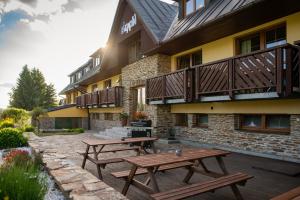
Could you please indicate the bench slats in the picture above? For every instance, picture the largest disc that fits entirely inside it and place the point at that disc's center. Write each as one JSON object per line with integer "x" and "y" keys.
{"x": 290, "y": 195}
{"x": 124, "y": 174}
{"x": 199, "y": 188}
{"x": 105, "y": 161}
{"x": 112, "y": 150}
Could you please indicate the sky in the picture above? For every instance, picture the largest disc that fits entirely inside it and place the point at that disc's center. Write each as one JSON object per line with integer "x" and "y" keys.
{"x": 56, "y": 36}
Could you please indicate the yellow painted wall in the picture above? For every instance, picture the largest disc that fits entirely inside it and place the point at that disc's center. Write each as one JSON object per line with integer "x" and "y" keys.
{"x": 115, "y": 81}
{"x": 106, "y": 110}
{"x": 73, "y": 100}
{"x": 224, "y": 48}
{"x": 68, "y": 112}
{"x": 291, "y": 106}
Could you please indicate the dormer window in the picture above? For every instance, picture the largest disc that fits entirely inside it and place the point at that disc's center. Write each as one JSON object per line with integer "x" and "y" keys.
{"x": 97, "y": 61}
{"x": 79, "y": 75}
{"x": 190, "y": 6}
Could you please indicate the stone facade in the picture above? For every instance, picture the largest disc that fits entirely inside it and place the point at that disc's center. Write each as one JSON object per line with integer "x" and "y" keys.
{"x": 48, "y": 123}
{"x": 222, "y": 132}
{"x": 135, "y": 75}
{"x": 101, "y": 124}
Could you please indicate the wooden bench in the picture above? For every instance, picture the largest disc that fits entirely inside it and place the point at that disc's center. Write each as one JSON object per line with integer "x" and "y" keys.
{"x": 125, "y": 174}
{"x": 209, "y": 186}
{"x": 293, "y": 194}
{"x": 113, "y": 150}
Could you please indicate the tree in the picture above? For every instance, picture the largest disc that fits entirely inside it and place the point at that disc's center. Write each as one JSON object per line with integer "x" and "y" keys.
{"x": 32, "y": 91}
{"x": 35, "y": 116}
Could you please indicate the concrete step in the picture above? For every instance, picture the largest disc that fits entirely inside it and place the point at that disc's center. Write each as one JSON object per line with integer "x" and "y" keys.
{"x": 114, "y": 132}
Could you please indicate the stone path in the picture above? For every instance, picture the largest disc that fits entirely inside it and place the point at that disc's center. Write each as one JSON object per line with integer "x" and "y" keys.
{"x": 77, "y": 183}
{"x": 264, "y": 186}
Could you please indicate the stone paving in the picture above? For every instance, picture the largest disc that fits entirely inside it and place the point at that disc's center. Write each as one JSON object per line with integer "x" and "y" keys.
{"x": 76, "y": 183}
{"x": 84, "y": 185}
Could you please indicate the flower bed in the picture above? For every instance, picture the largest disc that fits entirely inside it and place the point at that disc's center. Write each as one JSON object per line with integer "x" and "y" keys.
{"x": 22, "y": 177}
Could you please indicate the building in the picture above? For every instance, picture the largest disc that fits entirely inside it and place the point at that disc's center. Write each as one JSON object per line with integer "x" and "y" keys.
{"x": 222, "y": 73}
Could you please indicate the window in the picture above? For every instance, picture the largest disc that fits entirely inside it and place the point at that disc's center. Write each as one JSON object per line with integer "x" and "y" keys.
{"x": 262, "y": 40}
{"x": 94, "y": 88}
{"x": 189, "y": 60}
{"x": 276, "y": 37}
{"x": 107, "y": 83}
{"x": 200, "y": 120}
{"x": 191, "y": 6}
{"x": 97, "y": 61}
{"x": 79, "y": 74}
{"x": 181, "y": 119}
{"x": 86, "y": 69}
{"x": 72, "y": 79}
{"x": 108, "y": 116}
{"x": 141, "y": 99}
{"x": 250, "y": 44}
{"x": 134, "y": 51}
{"x": 265, "y": 123}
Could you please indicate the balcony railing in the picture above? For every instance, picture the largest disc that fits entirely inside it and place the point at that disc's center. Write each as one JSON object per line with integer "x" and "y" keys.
{"x": 270, "y": 73}
{"x": 110, "y": 97}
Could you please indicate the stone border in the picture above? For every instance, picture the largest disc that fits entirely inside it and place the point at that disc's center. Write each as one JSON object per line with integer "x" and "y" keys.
{"x": 75, "y": 182}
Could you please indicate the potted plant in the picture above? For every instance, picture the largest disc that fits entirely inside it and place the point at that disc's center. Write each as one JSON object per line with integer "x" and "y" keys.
{"x": 124, "y": 118}
{"x": 142, "y": 118}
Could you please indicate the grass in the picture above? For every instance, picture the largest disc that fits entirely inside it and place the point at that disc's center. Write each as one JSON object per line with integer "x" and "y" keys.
{"x": 20, "y": 178}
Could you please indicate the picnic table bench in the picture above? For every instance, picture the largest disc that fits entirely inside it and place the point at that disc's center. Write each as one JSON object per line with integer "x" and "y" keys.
{"x": 98, "y": 148}
{"x": 293, "y": 194}
{"x": 150, "y": 164}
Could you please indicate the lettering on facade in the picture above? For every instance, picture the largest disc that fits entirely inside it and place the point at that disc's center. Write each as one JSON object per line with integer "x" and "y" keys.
{"x": 126, "y": 27}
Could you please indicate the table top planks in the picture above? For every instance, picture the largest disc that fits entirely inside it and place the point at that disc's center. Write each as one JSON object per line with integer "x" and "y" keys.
{"x": 97, "y": 142}
{"x": 154, "y": 160}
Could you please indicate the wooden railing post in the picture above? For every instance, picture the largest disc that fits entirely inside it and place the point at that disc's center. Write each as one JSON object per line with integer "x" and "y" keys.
{"x": 164, "y": 85}
{"x": 185, "y": 85}
{"x": 279, "y": 68}
{"x": 288, "y": 72}
{"x": 197, "y": 78}
{"x": 230, "y": 78}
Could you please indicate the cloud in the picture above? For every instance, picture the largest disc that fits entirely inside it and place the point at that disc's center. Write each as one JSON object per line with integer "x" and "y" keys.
{"x": 6, "y": 85}
{"x": 56, "y": 38}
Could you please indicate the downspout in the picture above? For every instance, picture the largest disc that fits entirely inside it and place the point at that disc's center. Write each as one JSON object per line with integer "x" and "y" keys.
{"x": 89, "y": 120}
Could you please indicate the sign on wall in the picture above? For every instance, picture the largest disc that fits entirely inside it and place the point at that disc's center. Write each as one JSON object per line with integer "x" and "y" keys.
{"x": 127, "y": 27}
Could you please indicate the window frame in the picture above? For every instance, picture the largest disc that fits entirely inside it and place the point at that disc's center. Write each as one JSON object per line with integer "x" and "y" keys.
{"x": 183, "y": 9}
{"x": 191, "y": 59}
{"x": 197, "y": 123}
{"x": 107, "y": 83}
{"x": 264, "y": 128}
{"x": 108, "y": 116}
{"x": 262, "y": 35}
{"x": 184, "y": 123}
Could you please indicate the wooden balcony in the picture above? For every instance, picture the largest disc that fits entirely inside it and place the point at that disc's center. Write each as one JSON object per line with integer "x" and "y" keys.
{"x": 110, "y": 97}
{"x": 271, "y": 73}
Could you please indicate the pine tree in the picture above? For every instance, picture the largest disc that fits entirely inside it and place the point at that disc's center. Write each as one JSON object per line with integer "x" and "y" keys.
{"x": 32, "y": 91}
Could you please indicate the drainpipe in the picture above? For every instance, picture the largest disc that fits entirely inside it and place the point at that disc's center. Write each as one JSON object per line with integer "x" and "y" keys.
{"x": 89, "y": 120}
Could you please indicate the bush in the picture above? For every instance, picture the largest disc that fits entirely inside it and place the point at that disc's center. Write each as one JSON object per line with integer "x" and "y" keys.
{"x": 78, "y": 130}
{"x": 11, "y": 138}
{"x": 7, "y": 123}
{"x": 29, "y": 129}
{"x": 20, "y": 116}
{"x": 20, "y": 178}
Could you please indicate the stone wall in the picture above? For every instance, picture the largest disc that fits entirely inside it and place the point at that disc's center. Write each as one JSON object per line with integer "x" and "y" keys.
{"x": 135, "y": 75}
{"x": 101, "y": 124}
{"x": 222, "y": 133}
{"x": 48, "y": 123}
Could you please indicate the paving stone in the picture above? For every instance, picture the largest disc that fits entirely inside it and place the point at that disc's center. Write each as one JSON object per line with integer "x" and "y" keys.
{"x": 95, "y": 186}
{"x": 71, "y": 186}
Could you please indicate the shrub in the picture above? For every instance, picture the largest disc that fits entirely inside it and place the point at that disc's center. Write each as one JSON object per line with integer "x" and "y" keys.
{"x": 7, "y": 123}
{"x": 78, "y": 130}
{"x": 11, "y": 138}
{"x": 29, "y": 129}
{"x": 20, "y": 116}
{"x": 21, "y": 178}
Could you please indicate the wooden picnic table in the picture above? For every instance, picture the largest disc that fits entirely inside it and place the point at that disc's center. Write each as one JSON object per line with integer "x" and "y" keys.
{"x": 98, "y": 148}
{"x": 152, "y": 162}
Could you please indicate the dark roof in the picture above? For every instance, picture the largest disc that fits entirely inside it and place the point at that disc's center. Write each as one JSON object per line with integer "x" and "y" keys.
{"x": 214, "y": 10}
{"x": 61, "y": 107}
{"x": 156, "y": 15}
{"x": 85, "y": 76}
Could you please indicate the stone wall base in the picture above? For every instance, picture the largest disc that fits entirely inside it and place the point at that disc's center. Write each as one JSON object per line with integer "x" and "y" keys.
{"x": 222, "y": 132}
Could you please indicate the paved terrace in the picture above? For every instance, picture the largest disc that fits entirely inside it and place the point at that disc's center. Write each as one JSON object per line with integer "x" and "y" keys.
{"x": 265, "y": 185}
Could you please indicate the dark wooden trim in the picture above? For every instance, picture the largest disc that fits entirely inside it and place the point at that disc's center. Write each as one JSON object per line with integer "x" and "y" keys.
{"x": 297, "y": 42}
